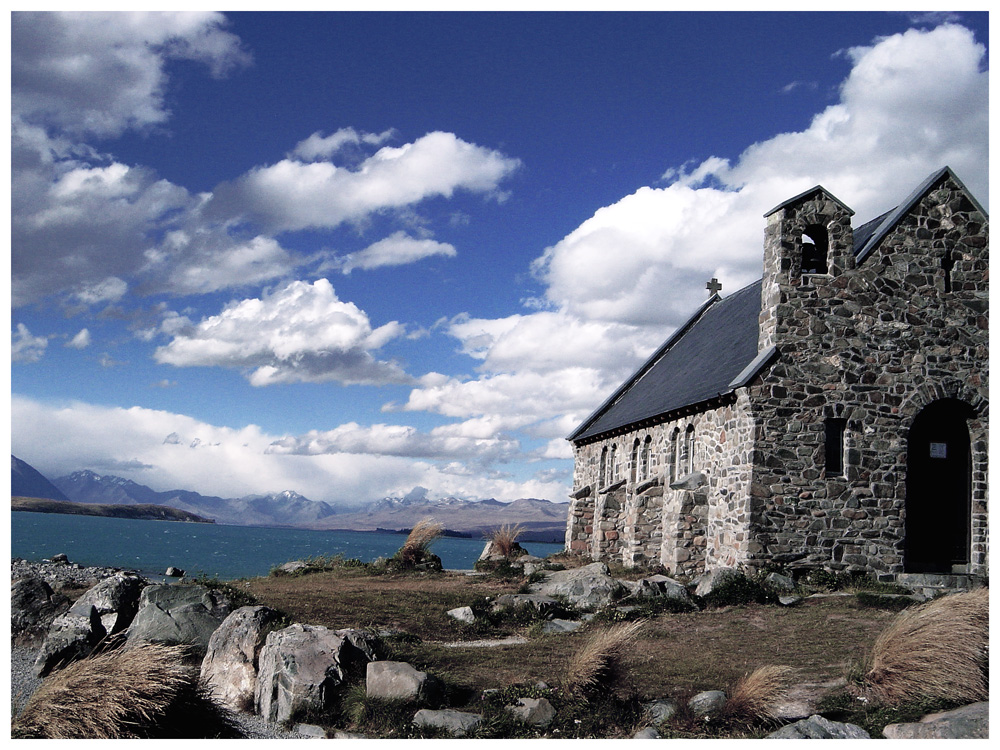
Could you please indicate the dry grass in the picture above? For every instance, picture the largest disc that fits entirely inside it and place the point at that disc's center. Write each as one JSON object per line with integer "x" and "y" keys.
{"x": 935, "y": 651}
{"x": 504, "y": 538}
{"x": 755, "y": 697}
{"x": 423, "y": 534}
{"x": 142, "y": 692}
{"x": 600, "y": 662}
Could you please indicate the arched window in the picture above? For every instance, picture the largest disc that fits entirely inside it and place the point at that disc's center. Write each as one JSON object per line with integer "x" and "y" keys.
{"x": 602, "y": 477}
{"x": 675, "y": 454}
{"x": 689, "y": 449}
{"x": 634, "y": 473}
{"x": 815, "y": 249}
{"x": 612, "y": 466}
{"x": 644, "y": 458}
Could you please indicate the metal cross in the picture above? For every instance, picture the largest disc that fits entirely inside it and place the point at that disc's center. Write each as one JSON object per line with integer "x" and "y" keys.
{"x": 713, "y": 286}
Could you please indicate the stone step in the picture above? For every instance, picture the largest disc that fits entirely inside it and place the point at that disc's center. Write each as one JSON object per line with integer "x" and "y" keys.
{"x": 934, "y": 584}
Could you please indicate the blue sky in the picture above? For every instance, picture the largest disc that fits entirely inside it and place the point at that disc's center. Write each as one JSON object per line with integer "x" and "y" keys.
{"x": 349, "y": 254}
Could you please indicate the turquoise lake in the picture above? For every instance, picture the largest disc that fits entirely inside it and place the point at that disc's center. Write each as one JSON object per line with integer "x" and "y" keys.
{"x": 228, "y": 552}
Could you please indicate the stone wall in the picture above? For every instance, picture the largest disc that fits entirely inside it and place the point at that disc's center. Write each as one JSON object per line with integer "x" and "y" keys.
{"x": 872, "y": 345}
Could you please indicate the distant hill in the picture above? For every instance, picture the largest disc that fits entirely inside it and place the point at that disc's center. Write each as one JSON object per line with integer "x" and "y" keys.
{"x": 139, "y": 512}
{"x": 26, "y": 481}
{"x": 278, "y": 509}
{"x": 541, "y": 520}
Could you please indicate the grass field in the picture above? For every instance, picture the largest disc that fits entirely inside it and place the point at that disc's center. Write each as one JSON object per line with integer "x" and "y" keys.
{"x": 674, "y": 656}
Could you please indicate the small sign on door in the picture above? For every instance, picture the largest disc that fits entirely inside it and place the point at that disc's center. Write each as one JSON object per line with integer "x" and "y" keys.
{"x": 939, "y": 450}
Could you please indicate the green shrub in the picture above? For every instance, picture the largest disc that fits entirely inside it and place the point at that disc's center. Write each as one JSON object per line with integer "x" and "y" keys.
{"x": 881, "y": 601}
{"x": 739, "y": 590}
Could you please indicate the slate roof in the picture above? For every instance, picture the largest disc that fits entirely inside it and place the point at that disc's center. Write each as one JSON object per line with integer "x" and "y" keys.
{"x": 715, "y": 351}
{"x": 697, "y": 363}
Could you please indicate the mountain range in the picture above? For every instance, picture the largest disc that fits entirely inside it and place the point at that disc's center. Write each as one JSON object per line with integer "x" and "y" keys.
{"x": 541, "y": 520}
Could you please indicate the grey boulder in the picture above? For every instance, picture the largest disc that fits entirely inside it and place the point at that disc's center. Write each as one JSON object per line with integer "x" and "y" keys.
{"x": 588, "y": 587}
{"x": 818, "y": 728}
{"x": 537, "y": 712}
{"x": 707, "y": 703}
{"x": 178, "y": 614}
{"x": 116, "y": 600}
{"x": 544, "y": 605}
{"x": 33, "y": 607}
{"x": 967, "y": 722}
{"x": 302, "y": 667}
{"x": 454, "y": 722}
{"x": 661, "y": 586}
{"x": 229, "y": 669}
{"x": 715, "y": 579}
{"x": 70, "y": 637}
{"x": 399, "y": 680}
{"x": 462, "y": 614}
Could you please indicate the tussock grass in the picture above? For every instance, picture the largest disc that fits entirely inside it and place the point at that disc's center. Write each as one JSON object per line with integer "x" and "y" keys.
{"x": 755, "y": 697}
{"x": 937, "y": 650}
{"x": 137, "y": 693}
{"x": 423, "y": 534}
{"x": 600, "y": 662}
{"x": 504, "y": 538}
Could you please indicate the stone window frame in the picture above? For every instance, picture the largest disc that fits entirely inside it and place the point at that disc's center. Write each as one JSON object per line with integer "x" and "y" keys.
{"x": 688, "y": 450}
{"x": 612, "y": 465}
{"x": 820, "y": 236}
{"x": 674, "y": 456}
{"x": 634, "y": 473}
{"x": 602, "y": 475}
{"x": 644, "y": 456}
{"x": 835, "y": 446}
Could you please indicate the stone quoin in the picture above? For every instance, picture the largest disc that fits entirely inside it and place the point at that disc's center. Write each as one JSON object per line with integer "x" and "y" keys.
{"x": 833, "y": 414}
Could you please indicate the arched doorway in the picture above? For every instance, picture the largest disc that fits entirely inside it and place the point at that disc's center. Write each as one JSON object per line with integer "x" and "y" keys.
{"x": 938, "y": 488}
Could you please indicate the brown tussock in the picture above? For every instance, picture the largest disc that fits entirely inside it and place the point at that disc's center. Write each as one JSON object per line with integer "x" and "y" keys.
{"x": 936, "y": 650}
{"x": 600, "y": 662}
{"x": 756, "y": 696}
{"x": 424, "y": 533}
{"x": 505, "y": 537}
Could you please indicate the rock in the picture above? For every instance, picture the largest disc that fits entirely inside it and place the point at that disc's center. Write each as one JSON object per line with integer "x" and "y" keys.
{"x": 660, "y": 710}
{"x": 537, "y": 712}
{"x": 818, "y": 728}
{"x": 561, "y": 626}
{"x": 290, "y": 568}
{"x": 229, "y": 669}
{"x": 173, "y": 572}
{"x": 429, "y": 561}
{"x": 116, "y": 600}
{"x": 462, "y": 614}
{"x": 967, "y": 722}
{"x": 588, "y": 587}
{"x": 33, "y": 607}
{"x": 59, "y": 559}
{"x": 341, "y": 735}
{"x": 177, "y": 613}
{"x": 707, "y": 703}
{"x": 802, "y": 700}
{"x": 714, "y": 579}
{"x": 457, "y": 723}
{"x": 491, "y": 553}
{"x": 301, "y": 667}
{"x": 545, "y": 605}
{"x": 71, "y": 637}
{"x": 780, "y": 582}
{"x": 397, "y": 679}
{"x": 789, "y": 600}
{"x": 646, "y": 733}
{"x": 313, "y": 731}
{"x": 660, "y": 585}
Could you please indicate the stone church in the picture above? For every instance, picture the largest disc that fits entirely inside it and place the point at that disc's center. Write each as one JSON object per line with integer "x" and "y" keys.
{"x": 833, "y": 414}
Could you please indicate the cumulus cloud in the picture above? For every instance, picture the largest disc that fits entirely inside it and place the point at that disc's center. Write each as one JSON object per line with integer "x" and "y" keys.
{"x": 103, "y": 73}
{"x": 395, "y": 250}
{"x": 154, "y": 447}
{"x": 295, "y": 195}
{"x": 621, "y": 282}
{"x": 24, "y": 347}
{"x": 80, "y": 341}
{"x": 299, "y": 333}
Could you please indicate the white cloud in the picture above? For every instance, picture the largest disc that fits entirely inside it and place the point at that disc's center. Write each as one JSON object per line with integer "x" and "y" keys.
{"x": 620, "y": 283}
{"x": 318, "y": 147}
{"x": 299, "y": 333}
{"x": 110, "y": 289}
{"x": 24, "y": 347}
{"x": 395, "y": 250}
{"x": 80, "y": 341}
{"x": 155, "y": 448}
{"x": 444, "y": 442}
{"x": 294, "y": 195}
{"x": 102, "y": 73}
